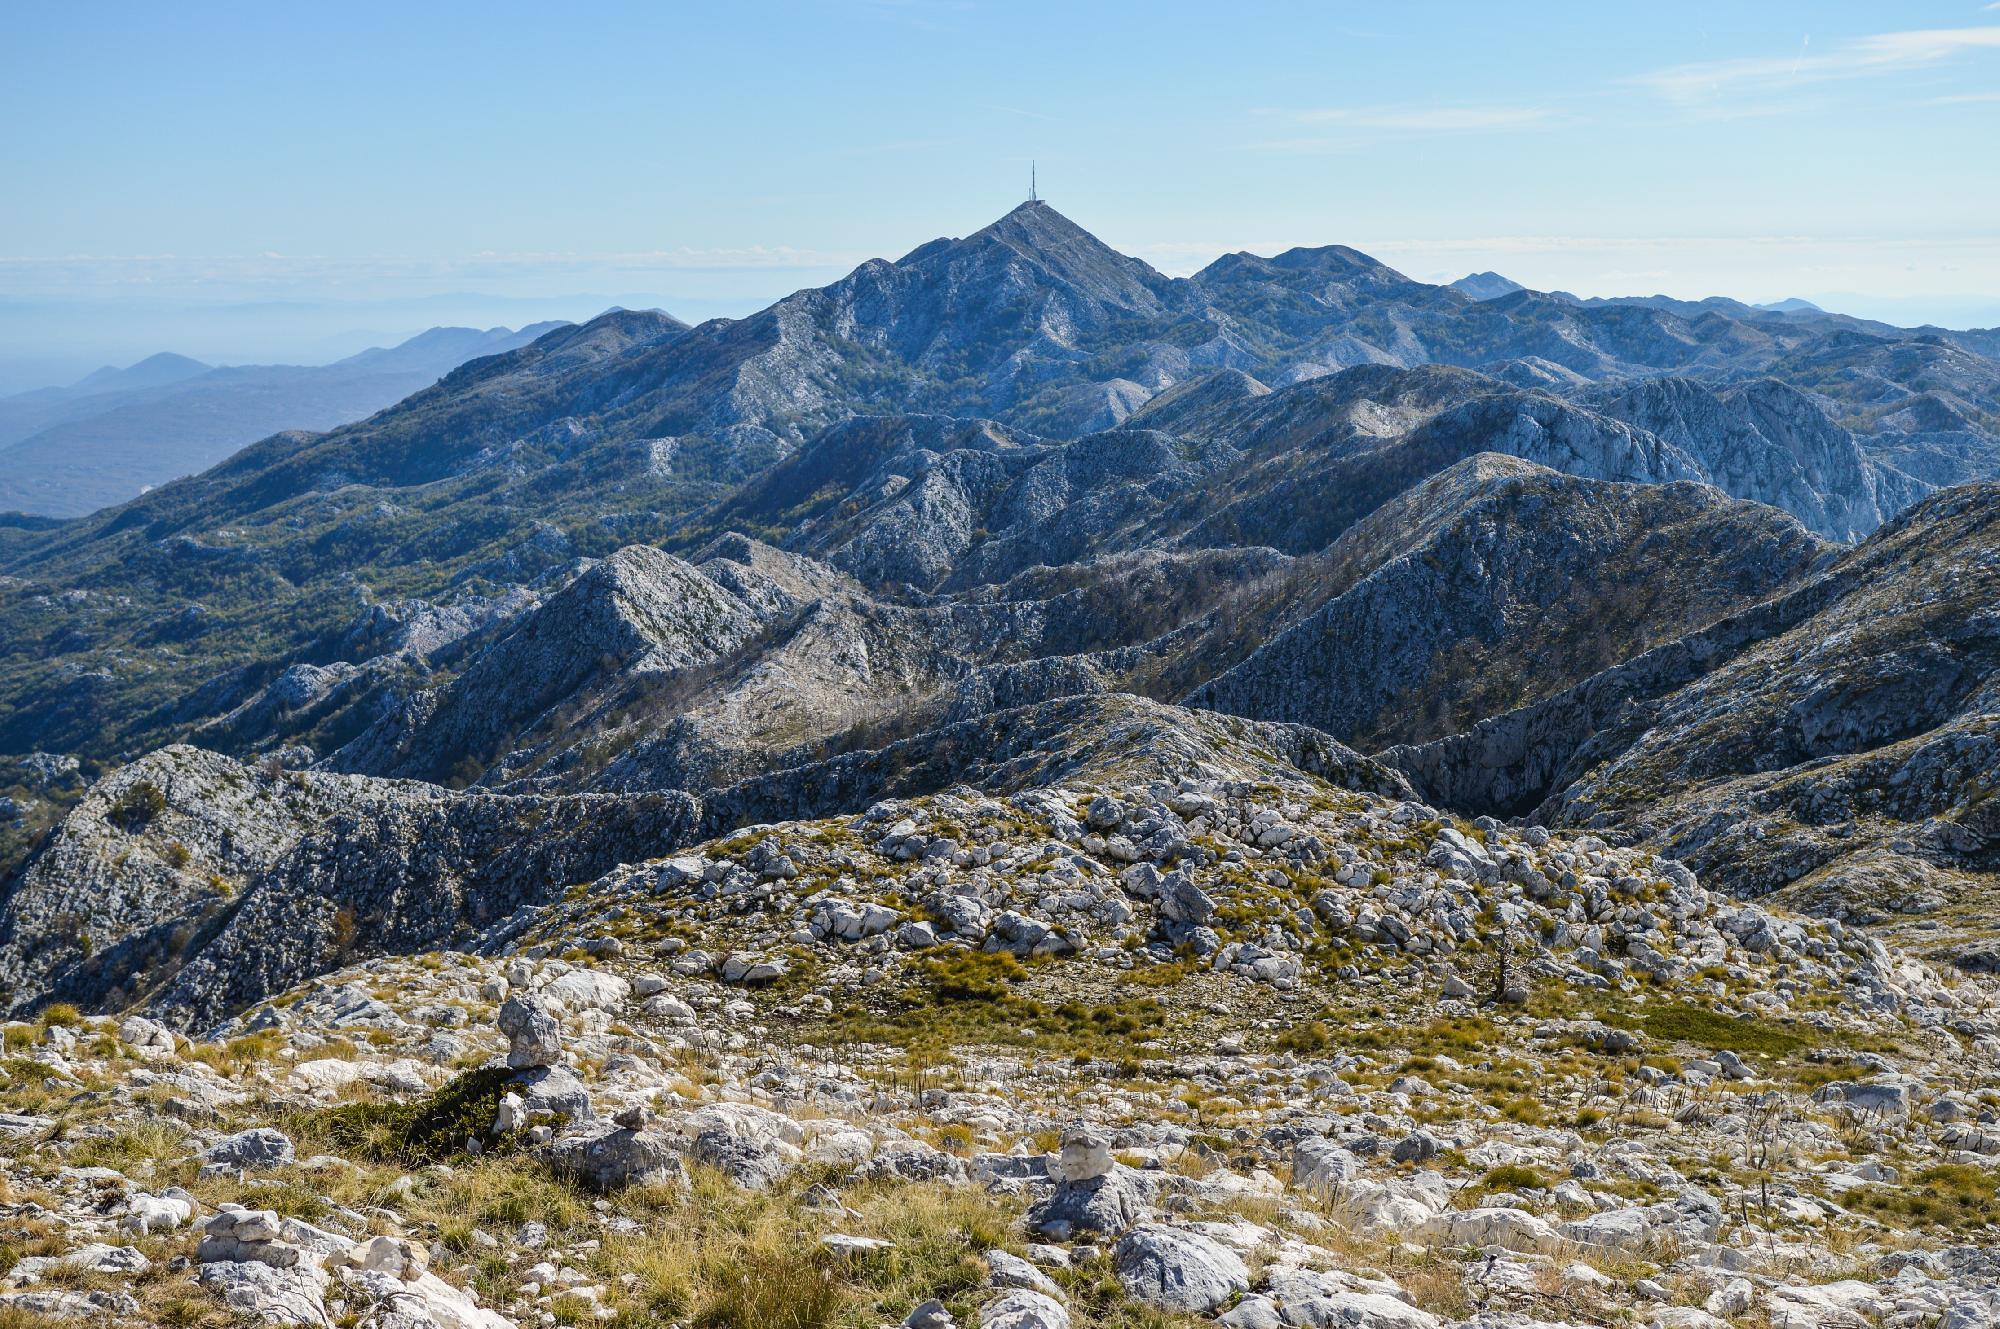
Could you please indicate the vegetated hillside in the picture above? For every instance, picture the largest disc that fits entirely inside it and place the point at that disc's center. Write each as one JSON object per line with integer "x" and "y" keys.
{"x": 1170, "y": 1033}
{"x": 1498, "y": 582}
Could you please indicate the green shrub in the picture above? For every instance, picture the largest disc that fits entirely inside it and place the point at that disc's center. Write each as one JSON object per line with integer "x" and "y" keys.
{"x": 1305, "y": 1039}
{"x": 136, "y": 807}
{"x": 1514, "y": 1177}
{"x": 1710, "y": 1029}
{"x": 1949, "y": 1195}
{"x": 432, "y": 1128}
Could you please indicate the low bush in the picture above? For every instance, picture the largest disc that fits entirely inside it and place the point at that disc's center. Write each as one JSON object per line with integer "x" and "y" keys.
{"x": 430, "y": 1129}
{"x": 1711, "y": 1029}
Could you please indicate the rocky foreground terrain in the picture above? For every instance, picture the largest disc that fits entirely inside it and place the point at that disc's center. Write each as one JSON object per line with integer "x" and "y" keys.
{"x": 1015, "y": 791}
{"x": 1133, "y": 1052}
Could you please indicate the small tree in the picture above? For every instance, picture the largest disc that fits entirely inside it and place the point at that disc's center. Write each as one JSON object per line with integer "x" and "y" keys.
{"x": 136, "y": 807}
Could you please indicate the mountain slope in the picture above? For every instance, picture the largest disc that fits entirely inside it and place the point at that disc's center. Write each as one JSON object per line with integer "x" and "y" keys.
{"x": 1767, "y": 441}
{"x": 1498, "y": 582}
{"x": 1837, "y": 741}
{"x": 197, "y": 885}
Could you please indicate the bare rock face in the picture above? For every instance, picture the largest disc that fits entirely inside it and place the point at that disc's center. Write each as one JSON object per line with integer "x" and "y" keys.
{"x": 1825, "y": 737}
{"x": 197, "y": 884}
{"x": 1768, "y": 442}
{"x": 1412, "y": 649}
{"x": 534, "y": 1037}
{"x": 640, "y": 610}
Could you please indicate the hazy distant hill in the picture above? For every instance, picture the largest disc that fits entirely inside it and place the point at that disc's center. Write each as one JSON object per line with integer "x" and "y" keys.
{"x": 1486, "y": 285}
{"x": 114, "y": 434}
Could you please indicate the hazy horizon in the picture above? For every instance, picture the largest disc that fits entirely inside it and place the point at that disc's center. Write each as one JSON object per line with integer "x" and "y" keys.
{"x": 240, "y": 184}
{"x": 51, "y": 342}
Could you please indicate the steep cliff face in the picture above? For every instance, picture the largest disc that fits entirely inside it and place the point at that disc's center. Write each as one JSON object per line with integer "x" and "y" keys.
{"x": 189, "y": 883}
{"x": 1840, "y": 734}
{"x": 637, "y": 613}
{"x": 1508, "y": 583}
{"x": 1771, "y": 444}
{"x": 1869, "y": 720}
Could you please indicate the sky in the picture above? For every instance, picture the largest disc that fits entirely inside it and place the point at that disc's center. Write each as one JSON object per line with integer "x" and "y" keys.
{"x": 257, "y": 182}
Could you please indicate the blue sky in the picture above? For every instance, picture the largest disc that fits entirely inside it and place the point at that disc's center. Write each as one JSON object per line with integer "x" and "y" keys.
{"x": 246, "y": 173}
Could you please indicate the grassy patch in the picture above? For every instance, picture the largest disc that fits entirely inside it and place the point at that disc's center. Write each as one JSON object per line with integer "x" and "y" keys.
{"x": 716, "y": 1257}
{"x": 1711, "y": 1029}
{"x": 1514, "y": 1177}
{"x": 962, "y": 975}
{"x": 1951, "y": 1195}
{"x": 966, "y": 998}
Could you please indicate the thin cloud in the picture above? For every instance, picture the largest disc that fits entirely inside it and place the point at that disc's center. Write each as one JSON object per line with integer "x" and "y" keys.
{"x": 1863, "y": 57}
{"x": 1965, "y": 98}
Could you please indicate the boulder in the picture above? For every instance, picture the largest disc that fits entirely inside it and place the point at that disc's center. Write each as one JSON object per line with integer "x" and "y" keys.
{"x": 752, "y": 1163}
{"x": 534, "y": 1037}
{"x": 1359, "y": 1310}
{"x": 148, "y": 1039}
{"x": 623, "y": 1157}
{"x": 257, "y": 1149}
{"x": 553, "y": 1089}
{"x": 1416, "y": 1147}
{"x": 49, "y": 1304}
{"x": 1022, "y": 1309}
{"x": 1085, "y": 1155}
{"x": 1178, "y": 1270}
{"x": 268, "y": 1294}
{"x": 586, "y": 990}
{"x": 1510, "y": 1229}
{"x": 148, "y": 1214}
{"x": 1007, "y": 1270}
{"x": 397, "y": 1300}
{"x": 406, "y": 1260}
{"x": 1105, "y": 1205}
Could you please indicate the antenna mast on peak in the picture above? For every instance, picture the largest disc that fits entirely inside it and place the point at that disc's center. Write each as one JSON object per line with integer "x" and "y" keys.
{"x": 1033, "y": 197}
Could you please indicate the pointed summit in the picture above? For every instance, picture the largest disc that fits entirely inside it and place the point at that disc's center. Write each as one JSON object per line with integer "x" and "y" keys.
{"x": 1038, "y": 223}
{"x": 1065, "y": 255}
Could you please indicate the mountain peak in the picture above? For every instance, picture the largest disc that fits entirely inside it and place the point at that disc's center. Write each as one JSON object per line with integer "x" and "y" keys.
{"x": 1487, "y": 285}
{"x": 1061, "y": 255}
{"x": 1036, "y": 226}
{"x": 153, "y": 371}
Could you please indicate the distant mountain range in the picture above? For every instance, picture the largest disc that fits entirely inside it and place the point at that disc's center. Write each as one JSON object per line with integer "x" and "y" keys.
{"x": 1699, "y": 575}
{"x": 69, "y": 451}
